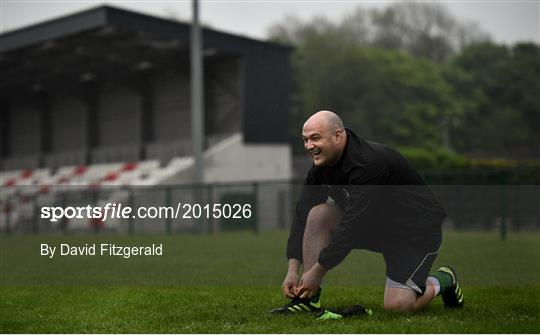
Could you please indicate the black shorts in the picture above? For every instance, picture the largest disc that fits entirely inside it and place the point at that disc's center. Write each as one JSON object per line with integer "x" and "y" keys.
{"x": 408, "y": 262}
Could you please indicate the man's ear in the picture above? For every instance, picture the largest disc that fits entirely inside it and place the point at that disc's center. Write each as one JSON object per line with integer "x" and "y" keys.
{"x": 339, "y": 134}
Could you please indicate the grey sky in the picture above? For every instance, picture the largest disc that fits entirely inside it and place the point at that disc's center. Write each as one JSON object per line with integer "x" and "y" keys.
{"x": 505, "y": 21}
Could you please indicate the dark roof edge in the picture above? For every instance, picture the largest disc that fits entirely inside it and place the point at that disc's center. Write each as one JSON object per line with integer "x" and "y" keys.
{"x": 52, "y": 21}
{"x": 90, "y": 19}
{"x": 206, "y": 29}
{"x": 51, "y": 29}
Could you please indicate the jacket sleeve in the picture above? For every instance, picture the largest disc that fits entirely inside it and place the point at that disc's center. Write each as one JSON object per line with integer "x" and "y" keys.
{"x": 312, "y": 194}
{"x": 362, "y": 193}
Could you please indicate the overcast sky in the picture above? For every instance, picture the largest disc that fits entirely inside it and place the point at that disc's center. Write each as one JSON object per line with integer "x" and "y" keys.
{"x": 506, "y": 21}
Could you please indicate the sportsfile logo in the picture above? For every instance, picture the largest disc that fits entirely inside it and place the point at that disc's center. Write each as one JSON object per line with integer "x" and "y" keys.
{"x": 110, "y": 210}
{"x": 119, "y": 211}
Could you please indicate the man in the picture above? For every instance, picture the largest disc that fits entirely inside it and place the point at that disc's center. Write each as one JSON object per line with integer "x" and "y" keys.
{"x": 364, "y": 195}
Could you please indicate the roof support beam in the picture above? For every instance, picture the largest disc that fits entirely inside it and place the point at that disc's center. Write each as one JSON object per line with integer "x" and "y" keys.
{"x": 197, "y": 95}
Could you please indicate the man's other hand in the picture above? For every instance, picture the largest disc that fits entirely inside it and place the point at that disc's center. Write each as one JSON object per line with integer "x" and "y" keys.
{"x": 311, "y": 281}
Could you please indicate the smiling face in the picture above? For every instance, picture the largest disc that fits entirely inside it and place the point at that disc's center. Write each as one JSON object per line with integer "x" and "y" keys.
{"x": 324, "y": 143}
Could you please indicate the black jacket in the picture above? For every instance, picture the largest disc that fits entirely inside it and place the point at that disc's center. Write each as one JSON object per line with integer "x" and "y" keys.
{"x": 384, "y": 200}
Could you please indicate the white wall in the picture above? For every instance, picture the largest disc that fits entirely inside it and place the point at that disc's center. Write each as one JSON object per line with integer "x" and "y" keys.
{"x": 232, "y": 161}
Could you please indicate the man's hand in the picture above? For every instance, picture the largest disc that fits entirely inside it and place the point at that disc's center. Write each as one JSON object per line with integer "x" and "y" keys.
{"x": 311, "y": 281}
{"x": 290, "y": 284}
{"x": 291, "y": 279}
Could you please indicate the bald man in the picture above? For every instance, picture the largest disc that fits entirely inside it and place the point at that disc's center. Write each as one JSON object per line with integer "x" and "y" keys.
{"x": 364, "y": 195}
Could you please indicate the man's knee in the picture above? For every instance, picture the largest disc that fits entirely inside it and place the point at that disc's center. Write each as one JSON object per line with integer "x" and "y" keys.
{"x": 397, "y": 299}
{"x": 400, "y": 304}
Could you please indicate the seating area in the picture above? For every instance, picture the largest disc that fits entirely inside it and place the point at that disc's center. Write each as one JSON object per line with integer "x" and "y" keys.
{"x": 23, "y": 190}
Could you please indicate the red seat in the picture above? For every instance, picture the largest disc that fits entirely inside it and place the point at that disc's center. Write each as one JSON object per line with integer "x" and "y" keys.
{"x": 80, "y": 170}
{"x": 111, "y": 176}
{"x": 129, "y": 166}
{"x": 10, "y": 182}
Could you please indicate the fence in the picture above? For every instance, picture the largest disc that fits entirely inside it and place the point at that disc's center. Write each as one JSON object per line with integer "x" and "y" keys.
{"x": 271, "y": 205}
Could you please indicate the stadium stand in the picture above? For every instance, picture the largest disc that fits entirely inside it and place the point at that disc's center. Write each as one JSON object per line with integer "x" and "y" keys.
{"x": 24, "y": 191}
{"x": 99, "y": 101}
{"x": 22, "y": 186}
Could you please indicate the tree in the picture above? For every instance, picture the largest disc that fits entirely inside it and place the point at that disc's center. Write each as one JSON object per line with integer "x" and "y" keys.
{"x": 410, "y": 74}
{"x": 384, "y": 95}
{"x": 421, "y": 29}
{"x": 498, "y": 89}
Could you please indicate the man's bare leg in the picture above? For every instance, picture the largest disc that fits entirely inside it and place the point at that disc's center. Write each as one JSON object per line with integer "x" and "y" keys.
{"x": 403, "y": 300}
{"x": 321, "y": 222}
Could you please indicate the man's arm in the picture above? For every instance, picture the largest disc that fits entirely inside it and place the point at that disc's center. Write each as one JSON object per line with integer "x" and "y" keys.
{"x": 291, "y": 279}
{"x": 356, "y": 218}
{"x": 312, "y": 194}
{"x": 311, "y": 281}
{"x": 294, "y": 245}
{"x": 342, "y": 242}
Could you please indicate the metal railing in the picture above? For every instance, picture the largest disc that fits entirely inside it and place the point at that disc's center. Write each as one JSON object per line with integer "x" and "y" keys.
{"x": 481, "y": 207}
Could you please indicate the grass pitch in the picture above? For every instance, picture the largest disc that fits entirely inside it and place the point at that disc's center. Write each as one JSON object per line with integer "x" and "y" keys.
{"x": 227, "y": 283}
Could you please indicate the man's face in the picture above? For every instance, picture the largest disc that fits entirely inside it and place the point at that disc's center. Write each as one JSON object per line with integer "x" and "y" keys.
{"x": 320, "y": 142}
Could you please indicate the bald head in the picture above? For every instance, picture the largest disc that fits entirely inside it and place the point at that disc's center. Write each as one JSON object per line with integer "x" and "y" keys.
{"x": 324, "y": 137}
{"x": 330, "y": 120}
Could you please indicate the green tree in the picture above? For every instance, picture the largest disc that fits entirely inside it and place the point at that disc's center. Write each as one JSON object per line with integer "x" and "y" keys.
{"x": 422, "y": 29}
{"x": 498, "y": 92}
{"x": 412, "y": 75}
{"x": 384, "y": 95}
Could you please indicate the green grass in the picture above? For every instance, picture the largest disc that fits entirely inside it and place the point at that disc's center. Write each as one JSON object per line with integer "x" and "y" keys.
{"x": 228, "y": 282}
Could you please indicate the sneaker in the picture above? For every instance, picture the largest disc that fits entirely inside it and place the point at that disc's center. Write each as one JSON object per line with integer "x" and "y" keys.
{"x": 328, "y": 315}
{"x": 452, "y": 296}
{"x": 297, "y": 305}
{"x": 356, "y": 310}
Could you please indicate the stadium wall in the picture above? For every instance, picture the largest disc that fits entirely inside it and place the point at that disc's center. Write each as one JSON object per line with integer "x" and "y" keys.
{"x": 66, "y": 114}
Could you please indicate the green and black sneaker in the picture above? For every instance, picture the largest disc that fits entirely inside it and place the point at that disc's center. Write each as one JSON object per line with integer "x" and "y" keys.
{"x": 356, "y": 310}
{"x": 452, "y": 295}
{"x": 298, "y": 305}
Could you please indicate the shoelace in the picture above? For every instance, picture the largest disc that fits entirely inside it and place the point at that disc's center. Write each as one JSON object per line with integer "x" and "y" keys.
{"x": 301, "y": 304}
